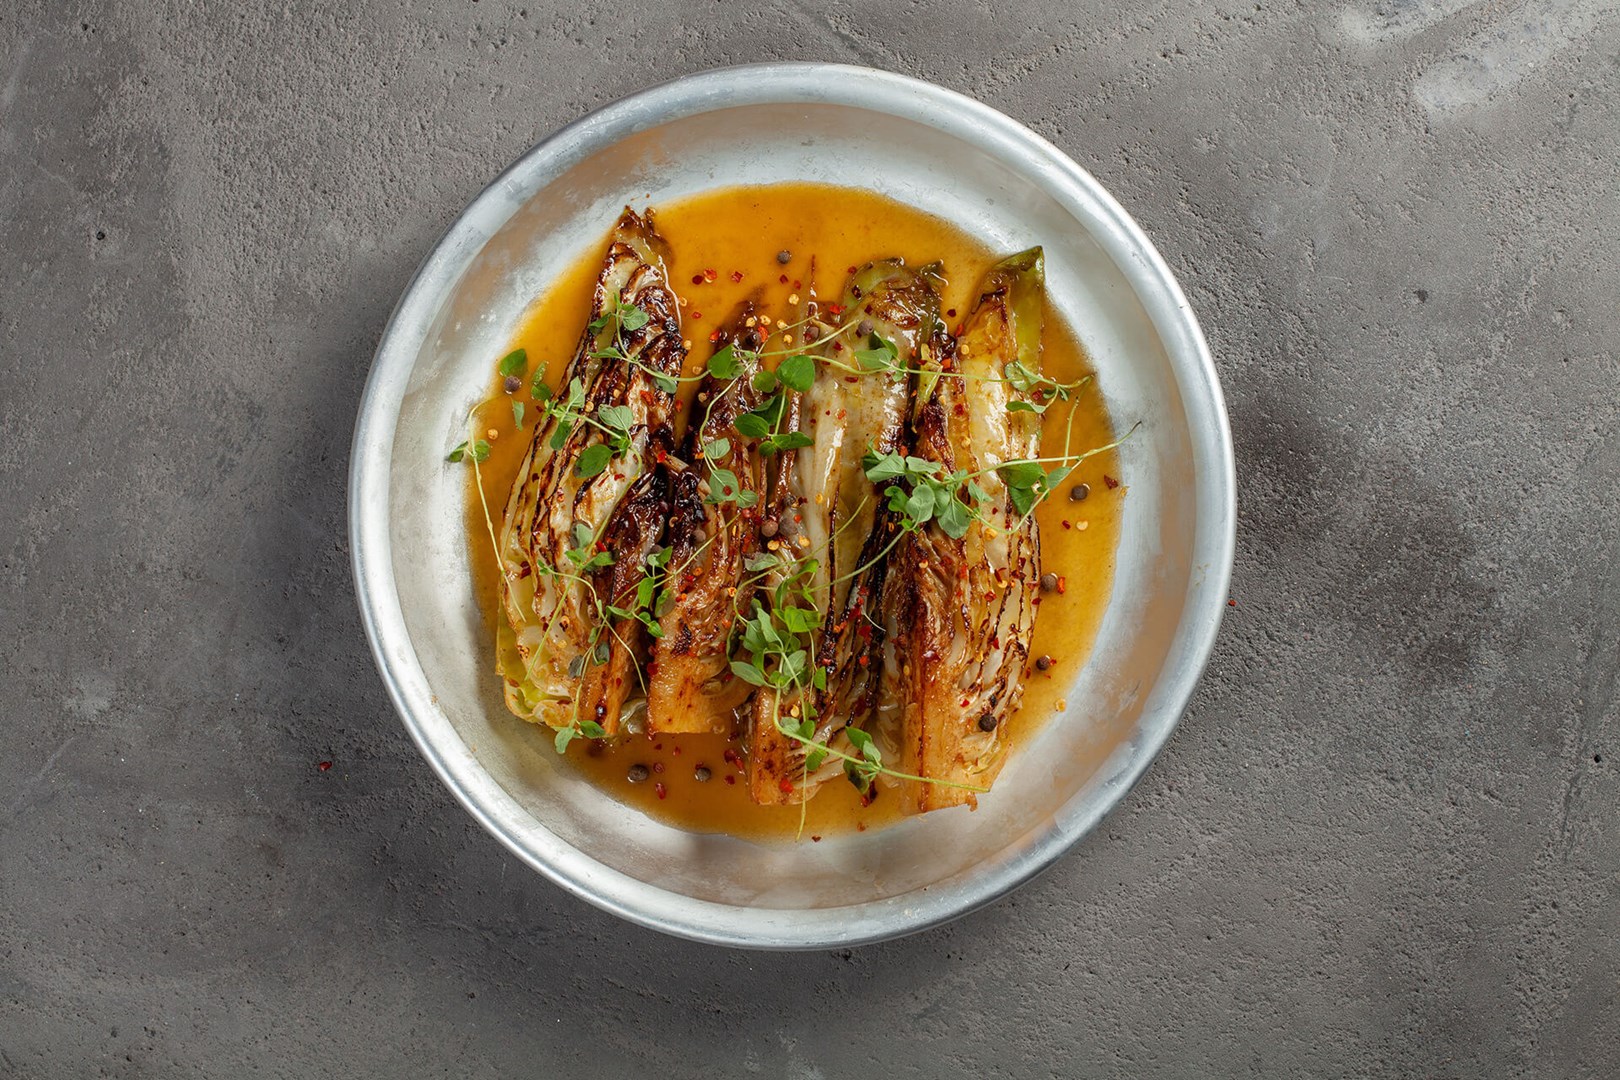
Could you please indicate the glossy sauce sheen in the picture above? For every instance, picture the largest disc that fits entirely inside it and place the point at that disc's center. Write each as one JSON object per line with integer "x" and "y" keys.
{"x": 739, "y": 231}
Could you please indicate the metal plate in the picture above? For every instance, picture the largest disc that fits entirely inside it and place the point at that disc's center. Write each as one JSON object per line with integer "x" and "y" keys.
{"x": 919, "y": 144}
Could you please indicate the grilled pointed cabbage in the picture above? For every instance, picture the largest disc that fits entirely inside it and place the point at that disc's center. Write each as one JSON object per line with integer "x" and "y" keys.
{"x": 832, "y": 517}
{"x": 711, "y": 536}
{"x": 563, "y": 659}
{"x": 961, "y": 611}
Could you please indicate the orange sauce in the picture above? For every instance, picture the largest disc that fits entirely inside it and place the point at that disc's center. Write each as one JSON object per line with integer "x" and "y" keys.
{"x": 739, "y": 231}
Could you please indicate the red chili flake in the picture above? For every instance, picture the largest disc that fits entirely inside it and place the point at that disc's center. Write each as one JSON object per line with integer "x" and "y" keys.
{"x": 524, "y": 571}
{"x": 697, "y": 279}
{"x": 709, "y": 275}
{"x": 661, "y": 455}
{"x": 736, "y": 276}
{"x": 714, "y": 335}
{"x": 1066, "y": 524}
{"x": 660, "y": 790}
{"x": 836, "y": 310}
{"x": 1229, "y": 603}
{"x": 815, "y": 839}
{"x": 860, "y": 826}
{"x": 323, "y": 765}
{"x": 958, "y": 329}
{"x": 652, "y": 672}
{"x": 732, "y": 757}
{"x": 676, "y": 749}
{"x": 1110, "y": 481}
{"x": 658, "y": 746}
{"x": 1063, "y": 584}
{"x": 697, "y": 315}
{"x": 862, "y": 661}
{"x": 731, "y": 779}
{"x": 796, "y": 285}
{"x": 658, "y": 766}
{"x": 853, "y": 269}
{"x": 786, "y": 785}
{"x": 951, "y": 314}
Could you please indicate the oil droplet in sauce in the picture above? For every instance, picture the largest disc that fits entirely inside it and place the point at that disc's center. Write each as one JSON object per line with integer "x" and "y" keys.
{"x": 727, "y": 246}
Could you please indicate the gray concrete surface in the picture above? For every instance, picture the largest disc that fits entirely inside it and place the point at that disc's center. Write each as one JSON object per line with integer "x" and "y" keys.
{"x": 1384, "y": 841}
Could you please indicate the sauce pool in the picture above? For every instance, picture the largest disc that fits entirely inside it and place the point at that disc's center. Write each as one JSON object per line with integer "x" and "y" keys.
{"x": 737, "y": 235}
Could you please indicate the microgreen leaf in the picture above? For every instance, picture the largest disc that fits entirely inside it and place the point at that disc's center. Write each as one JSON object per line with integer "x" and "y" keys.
{"x": 881, "y": 467}
{"x": 592, "y": 460}
{"x": 617, "y": 417}
{"x": 722, "y": 484}
{"x": 515, "y": 362}
{"x": 920, "y": 507}
{"x": 880, "y": 355}
{"x": 862, "y": 742}
{"x": 517, "y": 413}
{"x": 954, "y": 518}
{"x": 770, "y": 410}
{"x": 764, "y": 381}
{"x": 751, "y": 426}
{"x": 1021, "y": 473}
{"x": 800, "y": 620}
{"x": 787, "y": 440}
{"x": 458, "y": 453}
{"x": 748, "y": 673}
{"x": 1023, "y": 498}
{"x": 724, "y": 364}
{"x": 717, "y": 449}
{"x": 1020, "y": 376}
{"x": 797, "y": 372}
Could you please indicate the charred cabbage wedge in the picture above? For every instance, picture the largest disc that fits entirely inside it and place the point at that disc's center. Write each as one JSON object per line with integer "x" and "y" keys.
{"x": 714, "y": 529}
{"x": 960, "y": 611}
{"x": 590, "y": 501}
{"x": 834, "y": 530}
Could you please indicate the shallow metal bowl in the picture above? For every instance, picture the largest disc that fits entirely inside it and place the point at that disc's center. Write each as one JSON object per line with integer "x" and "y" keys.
{"x": 924, "y": 146}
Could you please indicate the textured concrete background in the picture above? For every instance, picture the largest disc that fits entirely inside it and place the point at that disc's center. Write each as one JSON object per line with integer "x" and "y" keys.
{"x": 1384, "y": 841}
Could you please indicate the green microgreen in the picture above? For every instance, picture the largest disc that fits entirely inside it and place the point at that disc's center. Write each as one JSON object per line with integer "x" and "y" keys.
{"x": 479, "y": 451}
{"x": 797, "y": 372}
{"x": 925, "y": 491}
{"x": 584, "y": 554}
{"x": 515, "y": 362}
{"x": 586, "y": 729}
